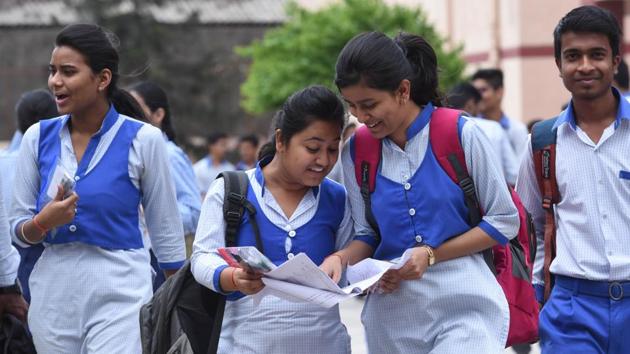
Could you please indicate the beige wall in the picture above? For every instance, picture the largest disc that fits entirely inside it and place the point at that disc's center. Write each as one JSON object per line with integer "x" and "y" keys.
{"x": 514, "y": 35}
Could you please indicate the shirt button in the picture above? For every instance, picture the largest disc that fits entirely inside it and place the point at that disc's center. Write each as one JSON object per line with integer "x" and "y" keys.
{"x": 72, "y": 228}
{"x": 292, "y": 233}
{"x": 287, "y": 228}
{"x": 406, "y": 177}
{"x": 600, "y": 182}
{"x": 418, "y": 238}
{"x": 407, "y": 186}
{"x": 76, "y": 178}
{"x": 604, "y": 216}
{"x": 412, "y": 211}
{"x": 290, "y": 255}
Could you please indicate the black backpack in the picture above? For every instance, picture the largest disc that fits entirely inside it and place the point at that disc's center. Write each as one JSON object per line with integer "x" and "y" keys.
{"x": 185, "y": 316}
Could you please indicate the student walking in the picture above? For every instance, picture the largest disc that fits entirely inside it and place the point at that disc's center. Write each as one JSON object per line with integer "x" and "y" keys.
{"x": 297, "y": 210}
{"x": 94, "y": 274}
{"x": 586, "y": 158}
{"x": 445, "y": 298}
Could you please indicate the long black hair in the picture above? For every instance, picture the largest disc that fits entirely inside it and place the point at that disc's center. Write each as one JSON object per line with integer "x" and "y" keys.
{"x": 314, "y": 103}
{"x": 98, "y": 47}
{"x": 382, "y": 63}
{"x": 155, "y": 97}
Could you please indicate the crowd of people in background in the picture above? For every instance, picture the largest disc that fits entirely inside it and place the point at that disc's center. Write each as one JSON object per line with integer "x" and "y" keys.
{"x": 103, "y": 204}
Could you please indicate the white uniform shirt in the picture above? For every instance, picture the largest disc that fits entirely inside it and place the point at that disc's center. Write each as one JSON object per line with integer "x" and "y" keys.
{"x": 9, "y": 257}
{"x": 206, "y": 172}
{"x": 501, "y": 144}
{"x": 593, "y": 215}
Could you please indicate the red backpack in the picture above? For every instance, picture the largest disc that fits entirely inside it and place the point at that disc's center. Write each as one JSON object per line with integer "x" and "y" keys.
{"x": 512, "y": 264}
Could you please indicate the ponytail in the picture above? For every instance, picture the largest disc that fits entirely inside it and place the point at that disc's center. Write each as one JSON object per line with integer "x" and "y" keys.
{"x": 382, "y": 63}
{"x": 125, "y": 104}
{"x": 424, "y": 69}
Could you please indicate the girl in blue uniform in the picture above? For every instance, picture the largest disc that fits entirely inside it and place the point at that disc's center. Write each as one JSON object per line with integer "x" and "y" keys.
{"x": 297, "y": 210}
{"x": 444, "y": 299}
{"x": 154, "y": 103}
{"x": 94, "y": 275}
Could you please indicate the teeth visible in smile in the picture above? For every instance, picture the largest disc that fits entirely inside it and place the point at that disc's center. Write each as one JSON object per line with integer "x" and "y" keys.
{"x": 372, "y": 125}
{"x": 314, "y": 169}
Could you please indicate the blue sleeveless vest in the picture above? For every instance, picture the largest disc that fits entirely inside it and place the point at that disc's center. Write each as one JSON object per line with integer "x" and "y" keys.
{"x": 107, "y": 210}
{"x": 430, "y": 209}
{"x": 316, "y": 238}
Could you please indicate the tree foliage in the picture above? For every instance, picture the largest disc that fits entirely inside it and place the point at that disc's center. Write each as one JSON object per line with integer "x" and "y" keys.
{"x": 303, "y": 51}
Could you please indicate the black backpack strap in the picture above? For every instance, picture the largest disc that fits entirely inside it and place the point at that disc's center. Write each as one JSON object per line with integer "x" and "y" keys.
{"x": 234, "y": 204}
{"x": 467, "y": 185}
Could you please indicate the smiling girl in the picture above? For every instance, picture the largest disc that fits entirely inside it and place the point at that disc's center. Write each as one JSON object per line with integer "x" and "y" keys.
{"x": 297, "y": 210}
{"x": 445, "y": 298}
{"x": 94, "y": 274}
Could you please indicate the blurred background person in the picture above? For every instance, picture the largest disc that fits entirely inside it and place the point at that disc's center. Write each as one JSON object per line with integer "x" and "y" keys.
{"x": 208, "y": 168}
{"x": 30, "y": 109}
{"x": 465, "y": 96}
{"x": 154, "y": 102}
{"x": 489, "y": 83}
{"x": 247, "y": 150}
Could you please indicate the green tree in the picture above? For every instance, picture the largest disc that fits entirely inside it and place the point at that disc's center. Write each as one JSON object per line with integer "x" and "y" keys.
{"x": 303, "y": 50}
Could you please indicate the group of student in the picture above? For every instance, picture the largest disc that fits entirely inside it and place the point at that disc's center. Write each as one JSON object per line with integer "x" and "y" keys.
{"x": 94, "y": 273}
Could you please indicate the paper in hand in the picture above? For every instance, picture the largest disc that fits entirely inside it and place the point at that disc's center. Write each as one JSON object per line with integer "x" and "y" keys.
{"x": 62, "y": 177}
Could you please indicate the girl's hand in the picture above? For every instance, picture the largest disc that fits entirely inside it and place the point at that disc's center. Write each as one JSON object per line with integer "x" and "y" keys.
{"x": 416, "y": 265}
{"x": 246, "y": 282}
{"x": 390, "y": 281}
{"x": 333, "y": 266}
{"x": 58, "y": 211}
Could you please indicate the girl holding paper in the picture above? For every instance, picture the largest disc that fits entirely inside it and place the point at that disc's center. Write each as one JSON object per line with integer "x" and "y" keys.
{"x": 297, "y": 210}
{"x": 94, "y": 275}
{"x": 444, "y": 298}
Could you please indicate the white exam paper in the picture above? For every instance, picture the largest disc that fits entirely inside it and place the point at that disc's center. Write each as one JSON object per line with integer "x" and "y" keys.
{"x": 301, "y": 280}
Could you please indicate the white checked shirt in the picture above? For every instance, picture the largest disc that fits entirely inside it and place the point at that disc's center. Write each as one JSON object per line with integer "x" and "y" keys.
{"x": 593, "y": 215}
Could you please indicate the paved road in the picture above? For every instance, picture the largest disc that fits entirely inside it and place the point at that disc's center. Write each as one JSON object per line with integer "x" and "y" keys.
{"x": 351, "y": 317}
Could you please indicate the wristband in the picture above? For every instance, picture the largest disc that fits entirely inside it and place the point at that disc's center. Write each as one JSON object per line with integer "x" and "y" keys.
{"x": 40, "y": 227}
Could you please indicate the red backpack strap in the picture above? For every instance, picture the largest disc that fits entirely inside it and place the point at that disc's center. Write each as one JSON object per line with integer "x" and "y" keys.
{"x": 444, "y": 136}
{"x": 367, "y": 156}
{"x": 544, "y": 157}
{"x": 447, "y": 148}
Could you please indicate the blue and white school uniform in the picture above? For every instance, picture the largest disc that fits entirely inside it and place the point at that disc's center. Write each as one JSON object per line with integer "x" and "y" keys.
{"x": 320, "y": 225}
{"x": 592, "y": 238}
{"x": 94, "y": 274}
{"x": 458, "y": 304}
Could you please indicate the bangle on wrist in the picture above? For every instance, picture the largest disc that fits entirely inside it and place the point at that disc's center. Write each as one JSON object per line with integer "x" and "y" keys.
{"x": 24, "y": 235}
{"x": 42, "y": 230}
